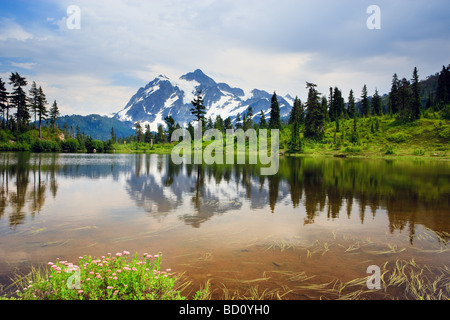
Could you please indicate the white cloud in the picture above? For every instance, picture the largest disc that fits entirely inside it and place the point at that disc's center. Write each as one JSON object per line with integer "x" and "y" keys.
{"x": 9, "y": 30}
{"x": 270, "y": 45}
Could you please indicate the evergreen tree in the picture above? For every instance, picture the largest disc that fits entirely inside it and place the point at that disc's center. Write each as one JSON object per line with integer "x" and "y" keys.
{"x": 262, "y": 120}
{"x": 19, "y": 100}
{"x": 274, "y": 121}
{"x": 351, "y": 109}
{"x": 148, "y": 135}
{"x": 365, "y": 104}
{"x": 237, "y": 122}
{"x": 227, "y": 123}
{"x": 416, "y": 104}
{"x": 198, "y": 110}
{"x": 219, "y": 124}
{"x": 315, "y": 119}
{"x": 54, "y": 114}
{"x": 393, "y": 95}
{"x": 161, "y": 135}
{"x": 34, "y": 100}
{"x": 376, "y": 104}
{"x": 404, "y": 98}
{"x": 170, "y": 123}
{"x": 139, "y": 131}
{"x": 4, "y": 106}
{"x": 295, "y": 143}
{"x": 248, "y": 121}
{"x": 443, "y": 88}
{"x": 113, "y": 135}
{"x": 41, "y": 108}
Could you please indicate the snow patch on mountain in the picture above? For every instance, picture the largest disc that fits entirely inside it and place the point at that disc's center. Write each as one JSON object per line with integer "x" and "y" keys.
{"x": 164, "y": 97}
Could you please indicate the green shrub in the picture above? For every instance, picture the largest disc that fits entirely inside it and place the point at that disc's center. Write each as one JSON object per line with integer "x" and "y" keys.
{"x": 70, "y": 145}
{"x": 398, "y": 137}
{"x": 45, "y": 146}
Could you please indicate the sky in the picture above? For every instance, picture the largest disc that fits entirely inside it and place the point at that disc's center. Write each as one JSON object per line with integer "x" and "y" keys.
{"x": 94, "y": 59}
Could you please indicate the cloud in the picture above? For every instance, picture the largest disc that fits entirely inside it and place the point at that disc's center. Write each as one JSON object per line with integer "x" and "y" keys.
{"x": 271, "y": 45}
{"x": 11, "y": 31}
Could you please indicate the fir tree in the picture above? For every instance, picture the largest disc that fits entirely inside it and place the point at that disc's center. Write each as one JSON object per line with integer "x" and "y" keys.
{"x": 4, "y": 106}
{"x": 404, "y": 98}
{"x": 34, "y": 100}
{"x": 198, "y": 110}
{"x": 170, "y": 123}
{"x": 237, "y": 122}
{"x": 41, "y": 108}
{"x": 315, "y": 119}
{"x": 365, "y": 104}
{"x": 393, "y": 95}
{"x": 351, "y": 109}
{"x": 274, "y": 122}
{"x": 139, "y": 131}
{"x": 54, "y": 114}
{"x": 262, "y": 120}
{"x": 376, "y": 104}
{"x": 415, "y": 99}
{"x": 19, "y": 100}
{"x": 248, "y": 120}
{"x": 295, "y": 143}
{"x": 443, "y": 88}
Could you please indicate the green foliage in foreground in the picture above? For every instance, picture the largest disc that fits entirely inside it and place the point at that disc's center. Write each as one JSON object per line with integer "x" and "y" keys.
{"x": 111, "y": 277}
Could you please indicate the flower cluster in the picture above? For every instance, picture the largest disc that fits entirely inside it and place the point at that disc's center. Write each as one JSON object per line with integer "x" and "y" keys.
{"x": 115, "y": 276}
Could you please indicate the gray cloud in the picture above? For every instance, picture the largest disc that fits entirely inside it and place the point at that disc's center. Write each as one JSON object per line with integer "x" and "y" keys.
{"x": 272, "y": 45}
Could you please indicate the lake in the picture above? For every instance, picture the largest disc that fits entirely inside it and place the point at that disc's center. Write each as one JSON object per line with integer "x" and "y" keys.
{"x": 309, "y": 232}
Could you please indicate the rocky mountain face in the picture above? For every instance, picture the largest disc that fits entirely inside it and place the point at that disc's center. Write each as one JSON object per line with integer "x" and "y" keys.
{"x": 165, "y": 97}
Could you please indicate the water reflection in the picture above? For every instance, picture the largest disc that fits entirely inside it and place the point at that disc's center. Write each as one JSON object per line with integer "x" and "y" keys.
{"x": 409, "y": 192}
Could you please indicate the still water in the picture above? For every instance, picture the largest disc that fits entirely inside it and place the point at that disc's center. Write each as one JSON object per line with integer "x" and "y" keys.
{"x": 319, "y": 223}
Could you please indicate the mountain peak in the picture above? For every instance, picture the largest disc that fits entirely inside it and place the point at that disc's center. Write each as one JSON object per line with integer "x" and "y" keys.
{"x": 200, "y": 77}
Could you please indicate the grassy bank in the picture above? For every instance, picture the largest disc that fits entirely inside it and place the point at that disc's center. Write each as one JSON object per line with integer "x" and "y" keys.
{"x": 374, "y": 137}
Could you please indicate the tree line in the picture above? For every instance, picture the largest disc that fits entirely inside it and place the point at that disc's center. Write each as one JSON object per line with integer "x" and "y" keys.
{"x": 27, "y": 107}
{"x": 309, "y": 119}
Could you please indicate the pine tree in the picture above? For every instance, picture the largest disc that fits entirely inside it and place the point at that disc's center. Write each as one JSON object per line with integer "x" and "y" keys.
{"x": 295, "y": 144}
{"x": 262, "y": 120}
{"x": 227, "y": 123}
{"x": 237, "y": 122}
{"x": 139, "y": 131}
{"x": 416, "y": 105}
{"x": 393, "y": 95}
{"x": 274, "y": 121}
{"x": 351, "y": 109}
{"x": 19, "y": 100}
{"x": 365, "y": 105}
{"x": 4, "y": 106}
{"x": 54, "y": 114}
{"x": 170, "y": 122}
{"x": 34, "y": 100}
{"x": 198, "y": 110}
{"x": 248, "y": 120}
{"x": 315, "y": 116}
{"x": 41, "y": 108}
{"x": 443, "y": 88}
{"x": 404, "y": 99}
{"x": 376, "y": 104}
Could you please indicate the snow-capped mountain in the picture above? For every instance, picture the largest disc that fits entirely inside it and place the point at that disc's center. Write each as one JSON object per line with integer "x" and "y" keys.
{"x": 163, "y": 97}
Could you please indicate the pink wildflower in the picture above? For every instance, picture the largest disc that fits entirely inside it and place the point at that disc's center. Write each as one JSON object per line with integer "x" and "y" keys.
{"x": 118, "y": 254}
{"x": 80, "y": 291}
{"x": 126, "y": 252}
